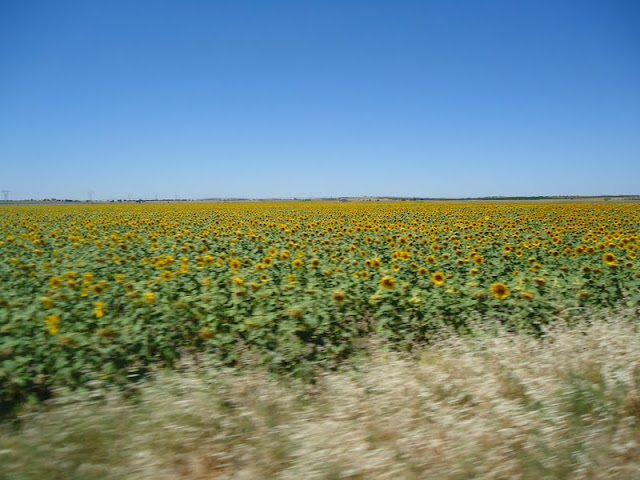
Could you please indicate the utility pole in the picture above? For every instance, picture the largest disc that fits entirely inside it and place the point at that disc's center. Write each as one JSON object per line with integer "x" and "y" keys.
{"x": 5, "y": 194}
{"x": 90, "y": 195}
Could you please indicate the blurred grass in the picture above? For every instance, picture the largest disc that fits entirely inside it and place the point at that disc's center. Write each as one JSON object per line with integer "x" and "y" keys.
{"x": 492, "y": 405}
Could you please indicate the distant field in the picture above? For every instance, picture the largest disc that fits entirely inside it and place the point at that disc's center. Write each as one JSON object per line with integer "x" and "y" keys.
{"x": 482, "y": 200}
{"x": 105, "y": 293}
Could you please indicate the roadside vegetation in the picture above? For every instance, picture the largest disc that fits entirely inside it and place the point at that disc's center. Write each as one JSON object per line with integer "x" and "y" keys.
{"x": 493, "y": 405}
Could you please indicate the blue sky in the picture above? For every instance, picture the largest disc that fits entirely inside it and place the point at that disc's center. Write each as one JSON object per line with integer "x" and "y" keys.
{"x": 194, "y": 99}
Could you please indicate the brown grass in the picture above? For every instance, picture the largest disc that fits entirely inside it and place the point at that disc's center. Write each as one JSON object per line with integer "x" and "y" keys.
{"x": 492, "y": 406}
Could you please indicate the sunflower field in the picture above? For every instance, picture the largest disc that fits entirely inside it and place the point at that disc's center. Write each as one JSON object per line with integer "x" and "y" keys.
{"x": 104, "y": 293}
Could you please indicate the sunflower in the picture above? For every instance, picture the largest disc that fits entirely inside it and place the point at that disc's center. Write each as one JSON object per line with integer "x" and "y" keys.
{"x": 388, "y": 283}
{"x": 150, "y": 297}
{"x": 55, "y": 282}
{"x": 297, "y": 263}
{"x": 205, "y": 333}
{"x": 478, "y": 259}
{"x": 422, "y": 271}
{"x": 99, "y": 309}
{"x": 47, "y": 302}
{"x": 267, "y": 261}
{"x": 526, "y": 296}
{"x": 339, "y": 296}
{"x": 238, "y": 281}
{"x": 314, "y": 263}
{"x": 264, "y": 277}
{"x": 609, "y": 258}
{"x": 541, "y": 282}
{"x": 499, "y": 290}
{"x": 53, "y": 323}
{"x": 375, "y": 299}
{"x": 438, "y": 278}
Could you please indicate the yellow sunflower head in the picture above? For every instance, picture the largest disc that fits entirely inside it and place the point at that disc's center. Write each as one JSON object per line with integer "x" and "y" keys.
{"x": 609, "y": 258}
{"x": 53, "y": 323}
{"x": 499, "y": 290}
{"x": 150, "y": 297}
{"x": 388, "y": 283}
{"x": 541, "y": 282}
{"x": 438, "y": 278}
{"x": 339, "y": 296}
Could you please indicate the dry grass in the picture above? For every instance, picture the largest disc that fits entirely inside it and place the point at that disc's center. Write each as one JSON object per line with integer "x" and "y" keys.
{"x": 493, "y": 406}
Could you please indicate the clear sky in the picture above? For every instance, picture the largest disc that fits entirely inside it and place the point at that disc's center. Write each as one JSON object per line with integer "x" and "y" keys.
{"x": 195, "y": 99}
